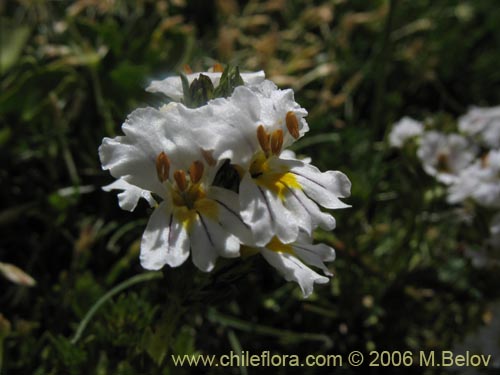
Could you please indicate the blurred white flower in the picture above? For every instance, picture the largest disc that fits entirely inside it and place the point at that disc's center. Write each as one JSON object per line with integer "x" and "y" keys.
{"x": 278, "y": 195}
{"x": 291, "y": 261}
{"x": 494, "y": 239}
{"x": 153, "y": 157}
{"x": 445, "y": 155}
{"x": 480, "y": 181}
{"x": 172, "y": 86}
{"x": 403, "y": 130}
{"x": 483, "y": 124}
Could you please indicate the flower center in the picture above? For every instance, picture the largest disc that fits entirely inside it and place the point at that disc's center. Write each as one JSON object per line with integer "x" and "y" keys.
{"x": 276, "y": 245}
{"x": 276, "y": 178}
{"x": 443, "y": 163}
{"x": 188, "y": 196}
{"x": 273, "y": 176}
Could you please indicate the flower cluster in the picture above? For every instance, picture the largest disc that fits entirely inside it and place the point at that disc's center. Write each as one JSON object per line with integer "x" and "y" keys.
{"x": 466, "y": 161}
{"x": 214, "y": 164}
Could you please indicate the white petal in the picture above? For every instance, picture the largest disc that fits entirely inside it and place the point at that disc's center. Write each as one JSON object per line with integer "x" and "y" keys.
{"x": 229, "y": 214}
{"x": 203, "y": 245}
{"x": 226, "y": 244}
{"x": 494, "y": 239}
{"x": 325, "y": 188}
{"x": 285, "y": 222}
{"x": 315, "y": 255}
{"x": 172, "y": 86}
{"x": 232, "y": 132}
{"x": 130, "y": 194}
{"x": 305, "y": 211}
{"x": 164, "y": 241}
{"x": 403, "y": 130}
{"x": 293, "y": 269}
{"x": 228, "y": 126}
{"x": 299, "y": 209}
{"x": 275, "y": 104}
{"x": 310, "y": 212}
{"x": 255, "y": 211}
{"x": 483, "y": 124}
{"x": 457, "y": 151}
{"x": 147, "y": 133}
{"x": 265, "y": 214}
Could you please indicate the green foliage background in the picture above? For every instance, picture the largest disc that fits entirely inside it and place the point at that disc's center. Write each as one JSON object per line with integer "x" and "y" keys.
{"x": 72, "y": 71}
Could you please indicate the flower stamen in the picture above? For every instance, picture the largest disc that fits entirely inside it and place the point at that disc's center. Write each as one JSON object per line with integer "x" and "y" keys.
{"x": 209, "y": 158}
{"x": 442, "y": 163}
{"x": 187, "y": 69}
{"x": 180, "y": 179}
{"x": 162, "y": 166}
{"x": 196, "y": 171}
{"x": 218, "y": 68}
{"x": 263, "y": 138}
{"x": 276, "y": 141}
{"x": 485, "y": 161}
{"x": 292, "y": 124}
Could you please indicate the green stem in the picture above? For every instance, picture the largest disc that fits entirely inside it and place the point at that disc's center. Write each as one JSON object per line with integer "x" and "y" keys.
{"x": 242, "y": 325}
{"x": 117, "y": 289}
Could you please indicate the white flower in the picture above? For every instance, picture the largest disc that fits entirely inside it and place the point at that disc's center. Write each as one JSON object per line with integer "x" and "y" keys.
{"x": 278, "y": 195}
{"x": 291, "y": 261}
{"x": 403, "y": 130}
{"x": 482, "y": 123}
{"x": 494, "y": 239}
{"x": 480, "y": 182}
{"x": 130, "y": 195}
{"x": 153, "y": 157}
{"x": 172, "y": 86}
{"x": 445, "y": 155}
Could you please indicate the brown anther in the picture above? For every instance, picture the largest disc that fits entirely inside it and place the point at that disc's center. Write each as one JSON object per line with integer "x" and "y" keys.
{"x": 292, "y": 124}
{"x": 162, "y": 166}
{"x": 180, "y": 179}
{"x": 196, "y": 171}
{"x": 218, "y": 68}
{"x": 207, "y": 155}
{"x": 442, "y": 163}
{"x": 263, "y": 138}
{"x": 187, "y": 69}
{"x": 276, "y": 141}
{"x": 485, "y": 161}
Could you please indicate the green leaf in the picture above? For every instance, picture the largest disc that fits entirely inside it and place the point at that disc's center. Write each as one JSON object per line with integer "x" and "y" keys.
{"x": 229, "y": 80}
{"x": 13, "y": 40}
{"x": 129, "y": 76}
{"x": 185, "y": 341}
{"x": 200, "y": 91}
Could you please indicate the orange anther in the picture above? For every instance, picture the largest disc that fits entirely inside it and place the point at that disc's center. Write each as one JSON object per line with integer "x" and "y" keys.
{"x": 276, "y": 141}
{"x": 209, "y": 158}
{"x": 292, "y": 124}
{"x": 218, "y": 68}
{"x": 196, "y": 171}
{"x": 162, "y": 166}
{"x": 263, "y": 138}
{"x": 187, "y": 69}
{"x": 180, "y": 179}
